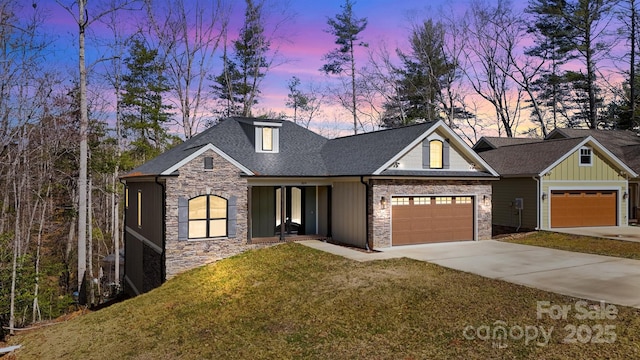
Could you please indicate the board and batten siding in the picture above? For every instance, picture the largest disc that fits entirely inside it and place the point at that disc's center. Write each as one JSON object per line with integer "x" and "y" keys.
{"x": 570, "y": 169}
{"x": 505, "y": 193}
{"x": 349, "y": 213}
{"x": 569, "y": 175}
{"x": 412, "y": 160}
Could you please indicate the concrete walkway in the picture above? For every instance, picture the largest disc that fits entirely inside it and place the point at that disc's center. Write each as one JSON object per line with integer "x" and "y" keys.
{"x": 594, "y": 277}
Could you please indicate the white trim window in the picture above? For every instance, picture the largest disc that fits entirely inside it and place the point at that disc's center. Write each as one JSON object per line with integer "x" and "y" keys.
{"x": 586, "y": 156}
{"x": 267, "y": 139}
{"x": 207, "y": 217}
{"x": 436, "y": 154}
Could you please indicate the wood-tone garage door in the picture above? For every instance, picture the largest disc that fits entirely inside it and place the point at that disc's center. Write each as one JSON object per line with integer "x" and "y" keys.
{"x": 583, "y": 208}
{"x": 429, "y": 219}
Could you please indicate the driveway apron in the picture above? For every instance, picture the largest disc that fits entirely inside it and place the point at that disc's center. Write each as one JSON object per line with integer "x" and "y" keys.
{"x": 586, "y": 276}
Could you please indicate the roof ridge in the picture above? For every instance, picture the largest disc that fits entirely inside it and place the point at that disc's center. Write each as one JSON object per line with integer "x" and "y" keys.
{"x": 431, "y": 122}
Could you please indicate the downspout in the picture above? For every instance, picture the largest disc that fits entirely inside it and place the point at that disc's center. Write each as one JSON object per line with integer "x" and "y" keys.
{"x": 538, "y": 202}
{"x": 124, "y": 238}
{"x": 164, "y": 230}
{"x": 367, "y": 203}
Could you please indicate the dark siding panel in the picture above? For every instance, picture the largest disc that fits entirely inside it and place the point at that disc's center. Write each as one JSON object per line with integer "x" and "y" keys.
{"x": 152, "y": 269}
{"x": 133, "y": 264}
{"x": 310, "y": 210}
{"x": 144, "y": 266}
{"x": 263, "y": 212}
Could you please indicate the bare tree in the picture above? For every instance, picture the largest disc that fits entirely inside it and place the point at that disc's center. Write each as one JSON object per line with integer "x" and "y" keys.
{"x": 488, "y": 65}
{"x": 512, "y": 30}
{"x": 84, "y": 22}
{"x": 113, "y": 75}
{"x": 187, "y": 33}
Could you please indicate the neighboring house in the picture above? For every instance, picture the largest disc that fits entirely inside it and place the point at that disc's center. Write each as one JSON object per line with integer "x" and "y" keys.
{"x": 248, "y": 181}
{"x": 573, "y": 178}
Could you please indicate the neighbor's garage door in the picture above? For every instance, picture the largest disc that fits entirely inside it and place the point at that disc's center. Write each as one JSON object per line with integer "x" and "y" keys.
{"x": 429, "y": 219}
{"x": 583, "y": 208}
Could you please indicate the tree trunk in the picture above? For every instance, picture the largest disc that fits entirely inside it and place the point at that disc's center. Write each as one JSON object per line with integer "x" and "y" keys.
{"x": 353, "y": 91}
{"x": 16, "y": 250}
{"x": 632, "y": 67}
{"x": 90, "y": 242}
{"x": 84, "y": 126}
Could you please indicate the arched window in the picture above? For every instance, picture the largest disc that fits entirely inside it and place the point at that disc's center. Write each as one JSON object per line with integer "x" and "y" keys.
{"x": 435, "y": 154}
{"x": 207, "y": 217}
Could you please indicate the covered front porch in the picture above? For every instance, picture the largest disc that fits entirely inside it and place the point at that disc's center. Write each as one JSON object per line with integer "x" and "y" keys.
{"x": 288, "y": 212}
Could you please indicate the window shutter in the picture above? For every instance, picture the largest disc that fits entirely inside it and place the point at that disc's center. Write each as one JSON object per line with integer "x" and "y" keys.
{"x": 208, "y": 163}
{"x": 232, "y": 213}
{"x": 445, "y": 155}
{"x": 425, "y": 154}
{"x": 183, "y": 218}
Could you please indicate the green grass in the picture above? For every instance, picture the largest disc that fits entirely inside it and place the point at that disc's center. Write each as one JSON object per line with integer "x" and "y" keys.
{"x": 578, "y": 243}
{"x": 293, "y": 302}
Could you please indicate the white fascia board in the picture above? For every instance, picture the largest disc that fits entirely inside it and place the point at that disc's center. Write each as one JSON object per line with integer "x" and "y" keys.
{"x": 267, "y": 124}
{"x": 600, "y": 148}
{"x": 459, "y": 142}
{"x": 199, "y": 152}
{"x": 406, "y": 149}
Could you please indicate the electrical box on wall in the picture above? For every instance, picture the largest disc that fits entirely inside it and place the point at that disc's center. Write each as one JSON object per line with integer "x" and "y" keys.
{"x": 518, "y": 204}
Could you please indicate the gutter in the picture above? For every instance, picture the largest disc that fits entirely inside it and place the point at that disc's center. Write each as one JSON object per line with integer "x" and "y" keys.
{"x": 367, "y": 203}
{"x": 164, "y": 229}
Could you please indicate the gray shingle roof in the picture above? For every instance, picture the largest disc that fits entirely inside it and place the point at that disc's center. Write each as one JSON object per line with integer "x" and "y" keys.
{"x": 301, "y": 153}
{"x": 363, "y": 154}
{"x": 492, "y": 142}
{"x": 624, "y": 144}
{"x": 529, "y": 158}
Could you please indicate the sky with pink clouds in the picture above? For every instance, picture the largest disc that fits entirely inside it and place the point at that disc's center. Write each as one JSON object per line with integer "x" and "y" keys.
{"x": 305, "y": 38}
{"x": 305, "y": 41}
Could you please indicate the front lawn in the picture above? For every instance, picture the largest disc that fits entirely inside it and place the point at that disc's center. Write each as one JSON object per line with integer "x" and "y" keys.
{"x": 578, "y": 243}
{"x": 294, "y": 302}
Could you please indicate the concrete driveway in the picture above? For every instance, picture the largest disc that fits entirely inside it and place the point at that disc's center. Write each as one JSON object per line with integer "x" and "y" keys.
{"x": 627, "y": 233}
{"x": 594, "y": 277}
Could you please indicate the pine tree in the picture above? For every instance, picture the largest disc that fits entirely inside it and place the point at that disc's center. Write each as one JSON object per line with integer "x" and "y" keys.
{"x": 554, "y": 45}
{"x": 346, "y": 27}
{"x": 421, "y": 79}
{"x": 144, "y": 113}
{"x": 578, "y": 29}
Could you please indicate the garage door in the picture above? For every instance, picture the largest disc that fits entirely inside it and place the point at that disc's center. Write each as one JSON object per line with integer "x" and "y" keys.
{"x": 583, "y": 208}
{"x": 429, "y": 219}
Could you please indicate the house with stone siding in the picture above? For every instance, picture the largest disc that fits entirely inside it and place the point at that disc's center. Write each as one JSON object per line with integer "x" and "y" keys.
{"x": 247, "y": 182}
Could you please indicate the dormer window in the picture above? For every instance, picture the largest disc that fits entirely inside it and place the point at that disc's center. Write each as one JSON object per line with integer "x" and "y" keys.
{"x": 267, "y": 137}
{"x": 586, "y": 156}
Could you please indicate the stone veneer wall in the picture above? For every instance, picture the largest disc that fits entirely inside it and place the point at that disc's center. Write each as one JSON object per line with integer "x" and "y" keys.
{"x": 380, "y": 228}
{"x": 225, "y": 181}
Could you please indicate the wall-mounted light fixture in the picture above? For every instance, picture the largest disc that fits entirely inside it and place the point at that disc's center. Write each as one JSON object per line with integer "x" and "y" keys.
{"x": 544, "y": 196}
{"x": 625, "y": 196}
{"x": 486, "y": 198}
{"x": 383, "y": 202}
